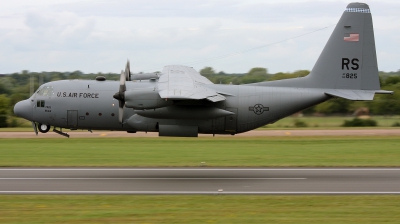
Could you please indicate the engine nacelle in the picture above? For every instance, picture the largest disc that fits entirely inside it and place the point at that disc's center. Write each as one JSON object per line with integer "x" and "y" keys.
{"x": 147, "y": 98}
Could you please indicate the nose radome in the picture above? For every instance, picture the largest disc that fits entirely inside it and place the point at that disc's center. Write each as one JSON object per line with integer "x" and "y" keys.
{"x": 24, "y": 109}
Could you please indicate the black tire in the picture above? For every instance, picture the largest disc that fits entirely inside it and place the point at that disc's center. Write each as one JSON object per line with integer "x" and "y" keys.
{"x": 43, "y": 128}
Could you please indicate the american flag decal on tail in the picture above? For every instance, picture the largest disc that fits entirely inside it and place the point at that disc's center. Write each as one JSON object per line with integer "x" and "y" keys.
{"x": 353, "y": 37}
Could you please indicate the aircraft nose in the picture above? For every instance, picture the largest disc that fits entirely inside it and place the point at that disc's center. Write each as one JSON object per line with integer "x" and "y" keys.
{"x": 24, "y": 109}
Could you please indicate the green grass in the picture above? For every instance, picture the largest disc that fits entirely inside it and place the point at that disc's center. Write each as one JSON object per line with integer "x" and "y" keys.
{"x": 174, "y": 152}
{"x": 330, "y": 122}
{"x": 199, "y": 209}
{"x": 313, "y": 122}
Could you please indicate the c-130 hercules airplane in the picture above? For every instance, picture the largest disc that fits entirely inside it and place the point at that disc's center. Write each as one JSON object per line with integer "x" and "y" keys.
{"x": 181, "y": 102}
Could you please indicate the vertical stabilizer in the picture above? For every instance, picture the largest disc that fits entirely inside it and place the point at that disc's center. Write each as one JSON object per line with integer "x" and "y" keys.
{"x": 348, "y": 60}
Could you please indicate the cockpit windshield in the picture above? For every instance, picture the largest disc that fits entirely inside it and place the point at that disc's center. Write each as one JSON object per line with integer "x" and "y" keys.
{"x": 45, "y": 91}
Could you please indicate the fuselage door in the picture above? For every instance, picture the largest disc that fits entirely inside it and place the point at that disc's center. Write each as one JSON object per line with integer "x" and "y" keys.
{"x": 231, "y": 120}
{"x": 72, "y": 118}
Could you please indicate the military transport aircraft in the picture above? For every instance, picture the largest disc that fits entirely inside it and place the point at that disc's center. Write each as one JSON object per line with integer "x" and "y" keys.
{"x": 180, "y": 102}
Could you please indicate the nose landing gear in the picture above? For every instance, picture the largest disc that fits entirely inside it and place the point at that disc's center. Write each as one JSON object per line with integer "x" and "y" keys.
{"x": 43, "y": 128}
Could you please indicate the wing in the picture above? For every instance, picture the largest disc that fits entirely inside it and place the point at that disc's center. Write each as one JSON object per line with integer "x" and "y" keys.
{"x": 184, "y": 83}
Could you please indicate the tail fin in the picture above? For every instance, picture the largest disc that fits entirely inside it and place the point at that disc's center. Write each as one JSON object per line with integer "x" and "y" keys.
{"x": 347, "y": 66}
{"x": 348, "y": 60}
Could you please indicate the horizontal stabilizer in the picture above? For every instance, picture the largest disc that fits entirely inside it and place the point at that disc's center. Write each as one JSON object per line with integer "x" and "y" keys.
{"x": 356, "y": 94}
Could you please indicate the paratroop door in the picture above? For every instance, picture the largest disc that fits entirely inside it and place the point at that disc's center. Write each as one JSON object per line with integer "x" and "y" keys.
{"x": 231, "y": 120}
{"x": 72, "y": 118}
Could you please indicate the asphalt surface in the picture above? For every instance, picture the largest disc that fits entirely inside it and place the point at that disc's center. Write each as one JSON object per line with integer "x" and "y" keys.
{"x": 200, "y": 181}
{"x": 254, "y": 133}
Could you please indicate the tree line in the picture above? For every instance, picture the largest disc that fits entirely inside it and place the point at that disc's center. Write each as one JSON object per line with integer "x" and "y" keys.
{"x": 15, "y": 87}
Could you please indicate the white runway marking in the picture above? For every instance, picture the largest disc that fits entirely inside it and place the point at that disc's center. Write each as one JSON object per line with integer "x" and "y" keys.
{"x": 198, "y": 192}
{"x": 147, "y": 178}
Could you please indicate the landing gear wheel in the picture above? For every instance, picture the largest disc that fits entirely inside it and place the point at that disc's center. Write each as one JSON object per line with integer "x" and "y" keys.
{"x": 43, "y": 128}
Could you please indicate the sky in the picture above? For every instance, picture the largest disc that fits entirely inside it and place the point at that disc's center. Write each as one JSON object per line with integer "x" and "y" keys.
{"x": 229, "y": 35}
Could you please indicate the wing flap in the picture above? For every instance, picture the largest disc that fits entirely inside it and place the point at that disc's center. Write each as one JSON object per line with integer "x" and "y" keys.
{"x": 184, "y": 83}
{"x": 216, "y": 98}
{"x": 197, "y": 93}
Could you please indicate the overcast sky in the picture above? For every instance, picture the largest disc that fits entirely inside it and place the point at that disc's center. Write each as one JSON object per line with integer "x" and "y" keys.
{"x": 100, "y": 35}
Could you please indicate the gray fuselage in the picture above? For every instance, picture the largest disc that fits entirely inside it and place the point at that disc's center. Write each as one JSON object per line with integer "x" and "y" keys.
{"x": 89, "y": 104}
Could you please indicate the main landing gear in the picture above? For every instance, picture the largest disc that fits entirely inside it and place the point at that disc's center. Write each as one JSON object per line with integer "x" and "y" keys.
{"x": 60, "y": 132}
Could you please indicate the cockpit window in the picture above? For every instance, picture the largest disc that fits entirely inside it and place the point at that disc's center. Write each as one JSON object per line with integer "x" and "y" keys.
{"x": 45, "y": 91}
{"x": 40, "y": 103}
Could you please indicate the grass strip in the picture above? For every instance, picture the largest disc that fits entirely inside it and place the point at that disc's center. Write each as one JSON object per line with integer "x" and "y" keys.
{"x": 199, "y": 209}
{"x": 312, "y": 122}
{"x": 183, "y": 152}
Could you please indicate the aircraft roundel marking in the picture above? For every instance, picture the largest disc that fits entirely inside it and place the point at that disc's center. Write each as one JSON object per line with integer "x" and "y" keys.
{"x": 258, "y": 109}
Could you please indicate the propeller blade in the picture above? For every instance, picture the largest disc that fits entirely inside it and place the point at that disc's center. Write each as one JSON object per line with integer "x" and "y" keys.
{"x": 34, "y": 127}
{"x": 121, "y": 111}
{"x": 128, "y": 71}
{"x": 122, "y": 79}
{"x": 120, "y": 96}
{"x": 120, "y": 114}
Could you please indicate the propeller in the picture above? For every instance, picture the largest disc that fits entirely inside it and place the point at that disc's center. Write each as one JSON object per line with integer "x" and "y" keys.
{"x": 128, "y": 71}
{"x": 120, "y": 95}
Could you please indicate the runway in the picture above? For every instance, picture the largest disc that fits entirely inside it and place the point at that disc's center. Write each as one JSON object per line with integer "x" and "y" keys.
{"x": 200, "y": 181}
